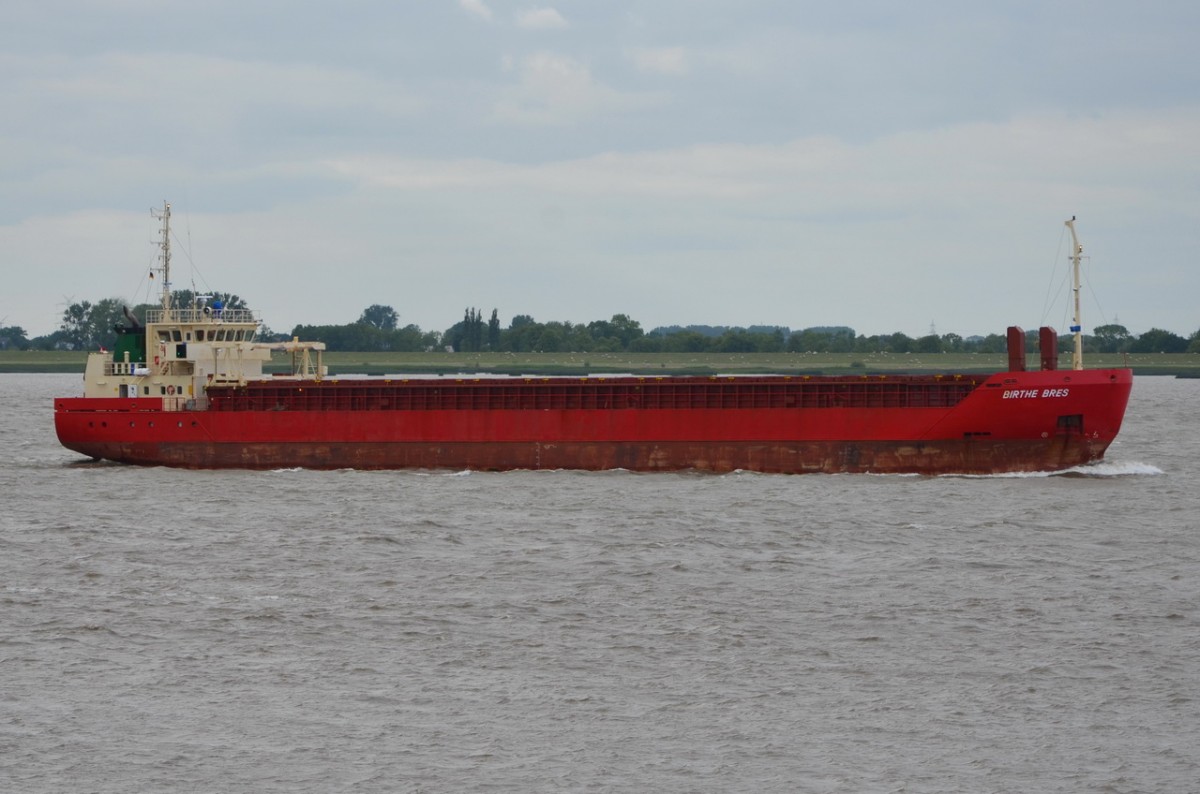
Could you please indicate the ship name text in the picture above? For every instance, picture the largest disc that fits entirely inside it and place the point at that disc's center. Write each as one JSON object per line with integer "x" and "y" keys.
{"x": 1026, "y": 394}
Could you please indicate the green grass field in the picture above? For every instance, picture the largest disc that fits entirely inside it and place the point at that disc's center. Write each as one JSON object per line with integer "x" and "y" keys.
{"x": 1185, "y": 364}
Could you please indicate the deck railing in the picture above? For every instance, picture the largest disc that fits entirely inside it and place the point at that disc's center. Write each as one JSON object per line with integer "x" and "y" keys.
{"x": 204, "y": 315}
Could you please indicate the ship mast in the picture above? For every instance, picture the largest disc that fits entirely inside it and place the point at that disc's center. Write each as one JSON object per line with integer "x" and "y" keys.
{"x": 164, "y": 258}
{"x": 1076, "y": 325}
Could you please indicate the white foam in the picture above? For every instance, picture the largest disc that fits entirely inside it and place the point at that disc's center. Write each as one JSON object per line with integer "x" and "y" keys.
{"x": 1101, "y": 469}
{"x": 1115, "y": 468}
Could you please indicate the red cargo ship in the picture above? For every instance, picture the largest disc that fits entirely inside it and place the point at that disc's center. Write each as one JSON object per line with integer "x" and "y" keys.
{"x": 188, "y": 390}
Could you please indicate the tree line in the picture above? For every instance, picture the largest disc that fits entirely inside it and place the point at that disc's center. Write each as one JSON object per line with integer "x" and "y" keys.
{"x": 89, "y": 326}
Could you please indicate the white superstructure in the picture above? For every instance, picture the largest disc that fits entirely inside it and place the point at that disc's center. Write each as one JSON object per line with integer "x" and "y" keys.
{"x": 183, "y": 350}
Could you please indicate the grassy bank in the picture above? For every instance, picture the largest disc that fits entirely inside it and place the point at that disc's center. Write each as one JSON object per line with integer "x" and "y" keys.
{"x": 41, "y": 361}
{"x": 1183, "y": 364}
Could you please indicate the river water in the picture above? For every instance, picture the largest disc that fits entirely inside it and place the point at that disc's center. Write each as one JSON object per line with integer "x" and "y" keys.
{"x": 343, "y": 631}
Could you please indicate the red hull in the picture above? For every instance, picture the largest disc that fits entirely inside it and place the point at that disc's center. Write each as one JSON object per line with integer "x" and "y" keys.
{"x": 1011, "y": 421}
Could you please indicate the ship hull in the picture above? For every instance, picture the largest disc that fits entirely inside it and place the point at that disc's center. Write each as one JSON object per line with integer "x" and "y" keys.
{"x": 1008, "y": 422}
{"x": 880, "y": 457}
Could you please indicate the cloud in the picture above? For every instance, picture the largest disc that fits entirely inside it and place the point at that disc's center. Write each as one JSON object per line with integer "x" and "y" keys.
{"x": 556, "y": 90}
{"x": 540, "y": 19}
{"x": 956, "y": 225}
{"x": 701, "y": 172}
{"x": 900, "y": 229}
{"x": 662, "y": 60}
{"x": 151, "y": 103}
{"x": 993, "y": 162}
{"x": 476, "y": 7}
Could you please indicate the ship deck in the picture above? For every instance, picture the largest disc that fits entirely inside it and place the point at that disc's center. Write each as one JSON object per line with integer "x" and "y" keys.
{"x": 597, "y": 393}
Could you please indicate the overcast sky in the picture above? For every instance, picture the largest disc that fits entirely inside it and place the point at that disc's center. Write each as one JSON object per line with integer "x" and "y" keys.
{"x": 888, "y": 166}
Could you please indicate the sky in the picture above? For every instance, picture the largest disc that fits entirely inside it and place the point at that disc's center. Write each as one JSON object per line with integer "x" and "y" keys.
{"x": 886, "y": 166}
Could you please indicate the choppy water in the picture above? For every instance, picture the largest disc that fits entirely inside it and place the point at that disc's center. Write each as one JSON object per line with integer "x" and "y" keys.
{"x": 345, "y": 631}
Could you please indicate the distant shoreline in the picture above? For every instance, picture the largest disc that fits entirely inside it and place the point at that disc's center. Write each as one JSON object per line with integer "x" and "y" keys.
{"x": 1183, "y": 365}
